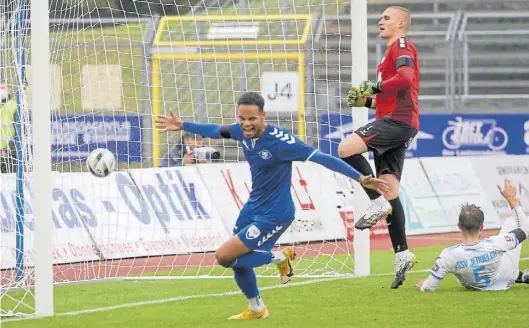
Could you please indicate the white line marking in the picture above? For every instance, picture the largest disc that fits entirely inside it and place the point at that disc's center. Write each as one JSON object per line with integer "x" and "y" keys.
{"x": 231, "y": 293}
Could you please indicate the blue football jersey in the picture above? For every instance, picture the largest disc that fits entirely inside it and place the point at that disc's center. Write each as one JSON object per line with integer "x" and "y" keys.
{"x": 270, "y": 158}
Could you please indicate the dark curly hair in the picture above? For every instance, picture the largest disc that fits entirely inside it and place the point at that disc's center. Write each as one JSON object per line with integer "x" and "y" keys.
{"x": 252, "y": 98}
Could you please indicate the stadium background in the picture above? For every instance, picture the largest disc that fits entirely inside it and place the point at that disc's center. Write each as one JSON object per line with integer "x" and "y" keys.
{"x": 475, "y": 80}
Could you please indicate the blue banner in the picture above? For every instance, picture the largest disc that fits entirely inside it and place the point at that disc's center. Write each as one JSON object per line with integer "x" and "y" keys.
{"x": 447, "y": 135}
{"x": 74, "y": 137}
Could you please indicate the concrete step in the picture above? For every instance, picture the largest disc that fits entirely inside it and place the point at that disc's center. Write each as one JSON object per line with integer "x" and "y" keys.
{"x": 322, "y": 71}
{"x": 426, "y": 88}
{"x": 377, "y": 6}
{"x": 343, "y": 26}
{"x": 341, "y": 42}
{"x": 521, "y": 85}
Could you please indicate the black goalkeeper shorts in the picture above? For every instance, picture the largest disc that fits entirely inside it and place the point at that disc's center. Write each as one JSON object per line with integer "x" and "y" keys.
{"x": 388, "y": 139}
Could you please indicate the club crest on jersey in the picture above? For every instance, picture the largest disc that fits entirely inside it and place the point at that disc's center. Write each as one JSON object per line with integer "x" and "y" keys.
{"x": 253, "y": 232}
{"x": 265, "y": 154}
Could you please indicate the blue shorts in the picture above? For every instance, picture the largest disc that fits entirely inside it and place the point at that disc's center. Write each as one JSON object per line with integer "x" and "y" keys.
{"x": 260, "y": 231}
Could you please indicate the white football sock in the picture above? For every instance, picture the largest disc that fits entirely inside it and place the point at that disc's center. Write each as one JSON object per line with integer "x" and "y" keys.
{"x": 278, "y": 257}
{"x": 256, "y": 304}
{"x": 380, "y": 201}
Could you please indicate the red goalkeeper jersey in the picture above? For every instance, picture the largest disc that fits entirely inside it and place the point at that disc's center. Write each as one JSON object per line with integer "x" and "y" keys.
{"x": 399, "y": 73}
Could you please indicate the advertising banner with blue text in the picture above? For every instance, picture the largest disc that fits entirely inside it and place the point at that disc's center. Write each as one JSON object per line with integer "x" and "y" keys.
{"x": 447, "y": 135}
{"x": 74, "y": 137}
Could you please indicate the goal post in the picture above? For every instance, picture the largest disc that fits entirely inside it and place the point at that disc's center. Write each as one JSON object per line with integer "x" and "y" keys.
{"x": 359, "y": 70}
{"x": 42, "y": 175}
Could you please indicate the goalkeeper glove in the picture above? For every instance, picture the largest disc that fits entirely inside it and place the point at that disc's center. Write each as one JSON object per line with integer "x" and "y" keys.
{"x": 368, "y": 88}
{"x": 355, "y": 98}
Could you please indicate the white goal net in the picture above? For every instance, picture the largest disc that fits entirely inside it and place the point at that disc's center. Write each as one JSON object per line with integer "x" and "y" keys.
{"x": 174, "y": 198}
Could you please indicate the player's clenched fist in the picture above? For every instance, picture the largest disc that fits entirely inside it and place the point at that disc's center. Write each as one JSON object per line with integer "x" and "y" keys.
{"x": 368, "y": 88}
{"x": 355, "y": 98}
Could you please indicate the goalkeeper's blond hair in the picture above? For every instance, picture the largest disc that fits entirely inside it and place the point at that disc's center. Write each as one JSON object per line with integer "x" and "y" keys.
{"x": 406, "y": 15}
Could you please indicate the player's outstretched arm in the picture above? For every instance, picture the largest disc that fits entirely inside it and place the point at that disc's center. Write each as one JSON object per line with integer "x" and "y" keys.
{"x": 337, "y": 165}
{"x": 297, "y": 150}
{"x": 172, "y": 122}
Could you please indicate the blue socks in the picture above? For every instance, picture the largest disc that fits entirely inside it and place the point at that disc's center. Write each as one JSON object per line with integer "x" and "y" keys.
{"x": 245, "y": 275}
{"x": 252, "y": 260}
{"x": 247, "y": 282}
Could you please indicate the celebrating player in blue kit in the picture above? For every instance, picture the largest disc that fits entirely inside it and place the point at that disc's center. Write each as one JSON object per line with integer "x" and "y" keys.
{"x": 269, "y": 211}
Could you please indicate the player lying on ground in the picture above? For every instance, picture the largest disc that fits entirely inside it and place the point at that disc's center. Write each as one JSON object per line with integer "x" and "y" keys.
{"x": 269, "y": 211}
{"x": 395, "y": 98}
{"x": 487, "y": 264}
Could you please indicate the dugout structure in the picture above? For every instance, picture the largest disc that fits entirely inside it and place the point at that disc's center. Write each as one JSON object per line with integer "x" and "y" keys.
{"x": 202, "y": 64}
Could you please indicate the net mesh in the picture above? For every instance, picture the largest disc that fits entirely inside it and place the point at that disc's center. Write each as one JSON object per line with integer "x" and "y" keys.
{"x": 114, "y": 65}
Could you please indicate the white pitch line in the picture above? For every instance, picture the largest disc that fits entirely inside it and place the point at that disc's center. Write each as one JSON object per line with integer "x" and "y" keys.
{"x": 231, "y": 293}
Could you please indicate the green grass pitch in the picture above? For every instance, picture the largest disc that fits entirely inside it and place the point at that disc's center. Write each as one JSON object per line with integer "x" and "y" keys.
{"x": 358, "y": 302}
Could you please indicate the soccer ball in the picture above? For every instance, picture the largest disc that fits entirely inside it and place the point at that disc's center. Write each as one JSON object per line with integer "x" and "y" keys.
{"x": 101, "y": 162}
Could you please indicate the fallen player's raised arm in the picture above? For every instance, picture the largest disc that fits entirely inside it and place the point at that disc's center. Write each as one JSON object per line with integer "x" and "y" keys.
{"x": 522, "y": 222}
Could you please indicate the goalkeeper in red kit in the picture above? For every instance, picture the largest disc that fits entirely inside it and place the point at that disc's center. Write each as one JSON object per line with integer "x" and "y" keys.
{"x": 395, "y": 97}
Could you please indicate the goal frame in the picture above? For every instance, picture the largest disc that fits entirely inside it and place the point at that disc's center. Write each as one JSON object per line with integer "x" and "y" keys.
{"x": 183, "y": 50}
